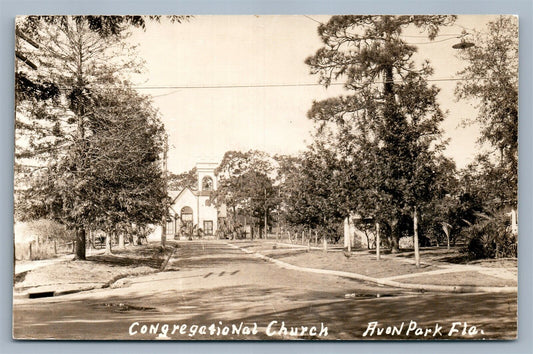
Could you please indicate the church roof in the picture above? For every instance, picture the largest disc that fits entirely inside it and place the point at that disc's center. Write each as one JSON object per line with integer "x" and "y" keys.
{"x": 174, "y": 195}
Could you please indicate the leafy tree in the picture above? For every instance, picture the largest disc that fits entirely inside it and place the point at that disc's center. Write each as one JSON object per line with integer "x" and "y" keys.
{"x": 451, "y": 208}
{"x": 117, "y": 182}
{"x": 261, "y": 198}
{"x": 246, "y": 187}
{"x": 310, "y": 192}
{"x": 287, "y": 180}
{"x": 125, "y": 174}
{"x": 391, "y": 116}
{"x": 490, "y": 78}
{"x": 63, "y": 141}
{"x": 183, "y": 180}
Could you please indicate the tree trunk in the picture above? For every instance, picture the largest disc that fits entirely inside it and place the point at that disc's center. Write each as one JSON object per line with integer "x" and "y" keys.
{"x": 395, "y": 236}
{"x": 108, "y": 237}
{"x": 378, "y": 242}
{"x": 389, "y": 81}
{"x": 80, "y": 243}
{"x": 121, "y": 240}
{"x": 265, "y": 224}
{"x": 415, "y": 238}
{"x": 164, "y": 232}
{"x": 446, "y": 228}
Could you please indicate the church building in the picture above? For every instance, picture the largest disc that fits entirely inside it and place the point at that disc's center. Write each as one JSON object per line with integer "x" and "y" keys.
{"x": 191, "y": 212}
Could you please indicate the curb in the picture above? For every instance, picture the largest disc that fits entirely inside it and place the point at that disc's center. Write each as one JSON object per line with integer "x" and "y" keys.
{"x": 107, "y": 284}
{"x": 74, "y": 291}
{"x": 54, "y": 293}
{"x": 392, "y": 283}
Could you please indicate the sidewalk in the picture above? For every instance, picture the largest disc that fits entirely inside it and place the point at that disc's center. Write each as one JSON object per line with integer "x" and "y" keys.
{"x": 24, "y": 266}
{"x": 392, "y": 270}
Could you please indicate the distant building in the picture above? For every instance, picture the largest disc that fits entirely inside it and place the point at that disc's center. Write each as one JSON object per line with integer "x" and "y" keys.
{"x": 356, "y": 237}
{"x": 191, "y": 213}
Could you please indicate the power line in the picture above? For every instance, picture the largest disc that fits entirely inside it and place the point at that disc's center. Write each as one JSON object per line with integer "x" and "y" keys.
{"x": 442, "y": 40}
{"x": 312, "y": 19}
{"x": 237, "y": 86}
{"x": 166, "y": 87}
{"x": 163, "y": 87}
{"x": 425, "y": 36}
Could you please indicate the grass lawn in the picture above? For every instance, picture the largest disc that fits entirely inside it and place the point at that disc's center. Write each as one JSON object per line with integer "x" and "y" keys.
{"x": 360, "y": 263}
{"x": 97, "y": 269}
{"x": 460, "y": 278}
{"x": 364, "y": 262}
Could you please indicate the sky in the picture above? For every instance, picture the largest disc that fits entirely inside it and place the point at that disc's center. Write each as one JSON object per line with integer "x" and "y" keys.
{"x": 218, "y": 84}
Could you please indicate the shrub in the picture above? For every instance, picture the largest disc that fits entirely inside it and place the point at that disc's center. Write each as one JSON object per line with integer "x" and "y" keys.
{"x": 491, "y": 238}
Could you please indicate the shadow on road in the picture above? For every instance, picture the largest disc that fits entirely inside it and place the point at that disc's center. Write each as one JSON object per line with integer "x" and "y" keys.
{"x": 232, "y": 288}
{"x": 151, "y": 256}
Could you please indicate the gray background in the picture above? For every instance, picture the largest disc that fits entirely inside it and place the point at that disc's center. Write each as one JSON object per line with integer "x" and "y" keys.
{"x": 10, "y": 8}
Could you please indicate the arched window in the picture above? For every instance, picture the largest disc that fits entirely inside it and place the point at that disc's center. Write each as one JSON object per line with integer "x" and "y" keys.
{"x": 207, "y": 183}
{"x": 186, "y": 213}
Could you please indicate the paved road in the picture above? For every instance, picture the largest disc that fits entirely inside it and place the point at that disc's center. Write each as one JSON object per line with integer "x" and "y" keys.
{"x": 210, "y": 288}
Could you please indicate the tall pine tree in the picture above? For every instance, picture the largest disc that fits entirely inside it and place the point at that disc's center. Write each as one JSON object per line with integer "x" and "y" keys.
{"x": 388, "y": 124}
{"x": 64, "y": 139}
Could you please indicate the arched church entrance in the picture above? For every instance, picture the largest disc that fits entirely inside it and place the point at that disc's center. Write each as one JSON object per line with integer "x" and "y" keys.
{"x": 186, "y": 221}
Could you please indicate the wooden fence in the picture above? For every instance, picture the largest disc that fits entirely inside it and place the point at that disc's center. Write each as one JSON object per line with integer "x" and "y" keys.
{"x": 42, "y": 250}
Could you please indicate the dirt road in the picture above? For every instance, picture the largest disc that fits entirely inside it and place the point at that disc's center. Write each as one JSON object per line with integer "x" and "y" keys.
{"x": 213, "y": 291}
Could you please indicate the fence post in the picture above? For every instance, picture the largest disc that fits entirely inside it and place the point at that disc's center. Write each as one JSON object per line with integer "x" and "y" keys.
{"x": 30, "y": 250}
{"x": 55, "y": 247}
{"x": 325, "y": 245}
{"x": 316, "y": 238}
{"x": 303, "y": 233}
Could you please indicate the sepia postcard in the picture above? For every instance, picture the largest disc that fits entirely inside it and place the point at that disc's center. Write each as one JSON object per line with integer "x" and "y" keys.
{"x": 280, "y": 177}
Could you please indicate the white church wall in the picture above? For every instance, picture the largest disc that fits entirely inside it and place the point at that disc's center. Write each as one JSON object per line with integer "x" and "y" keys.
{"x": 207, "y": 212}
{"x": 187, "y": 198}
